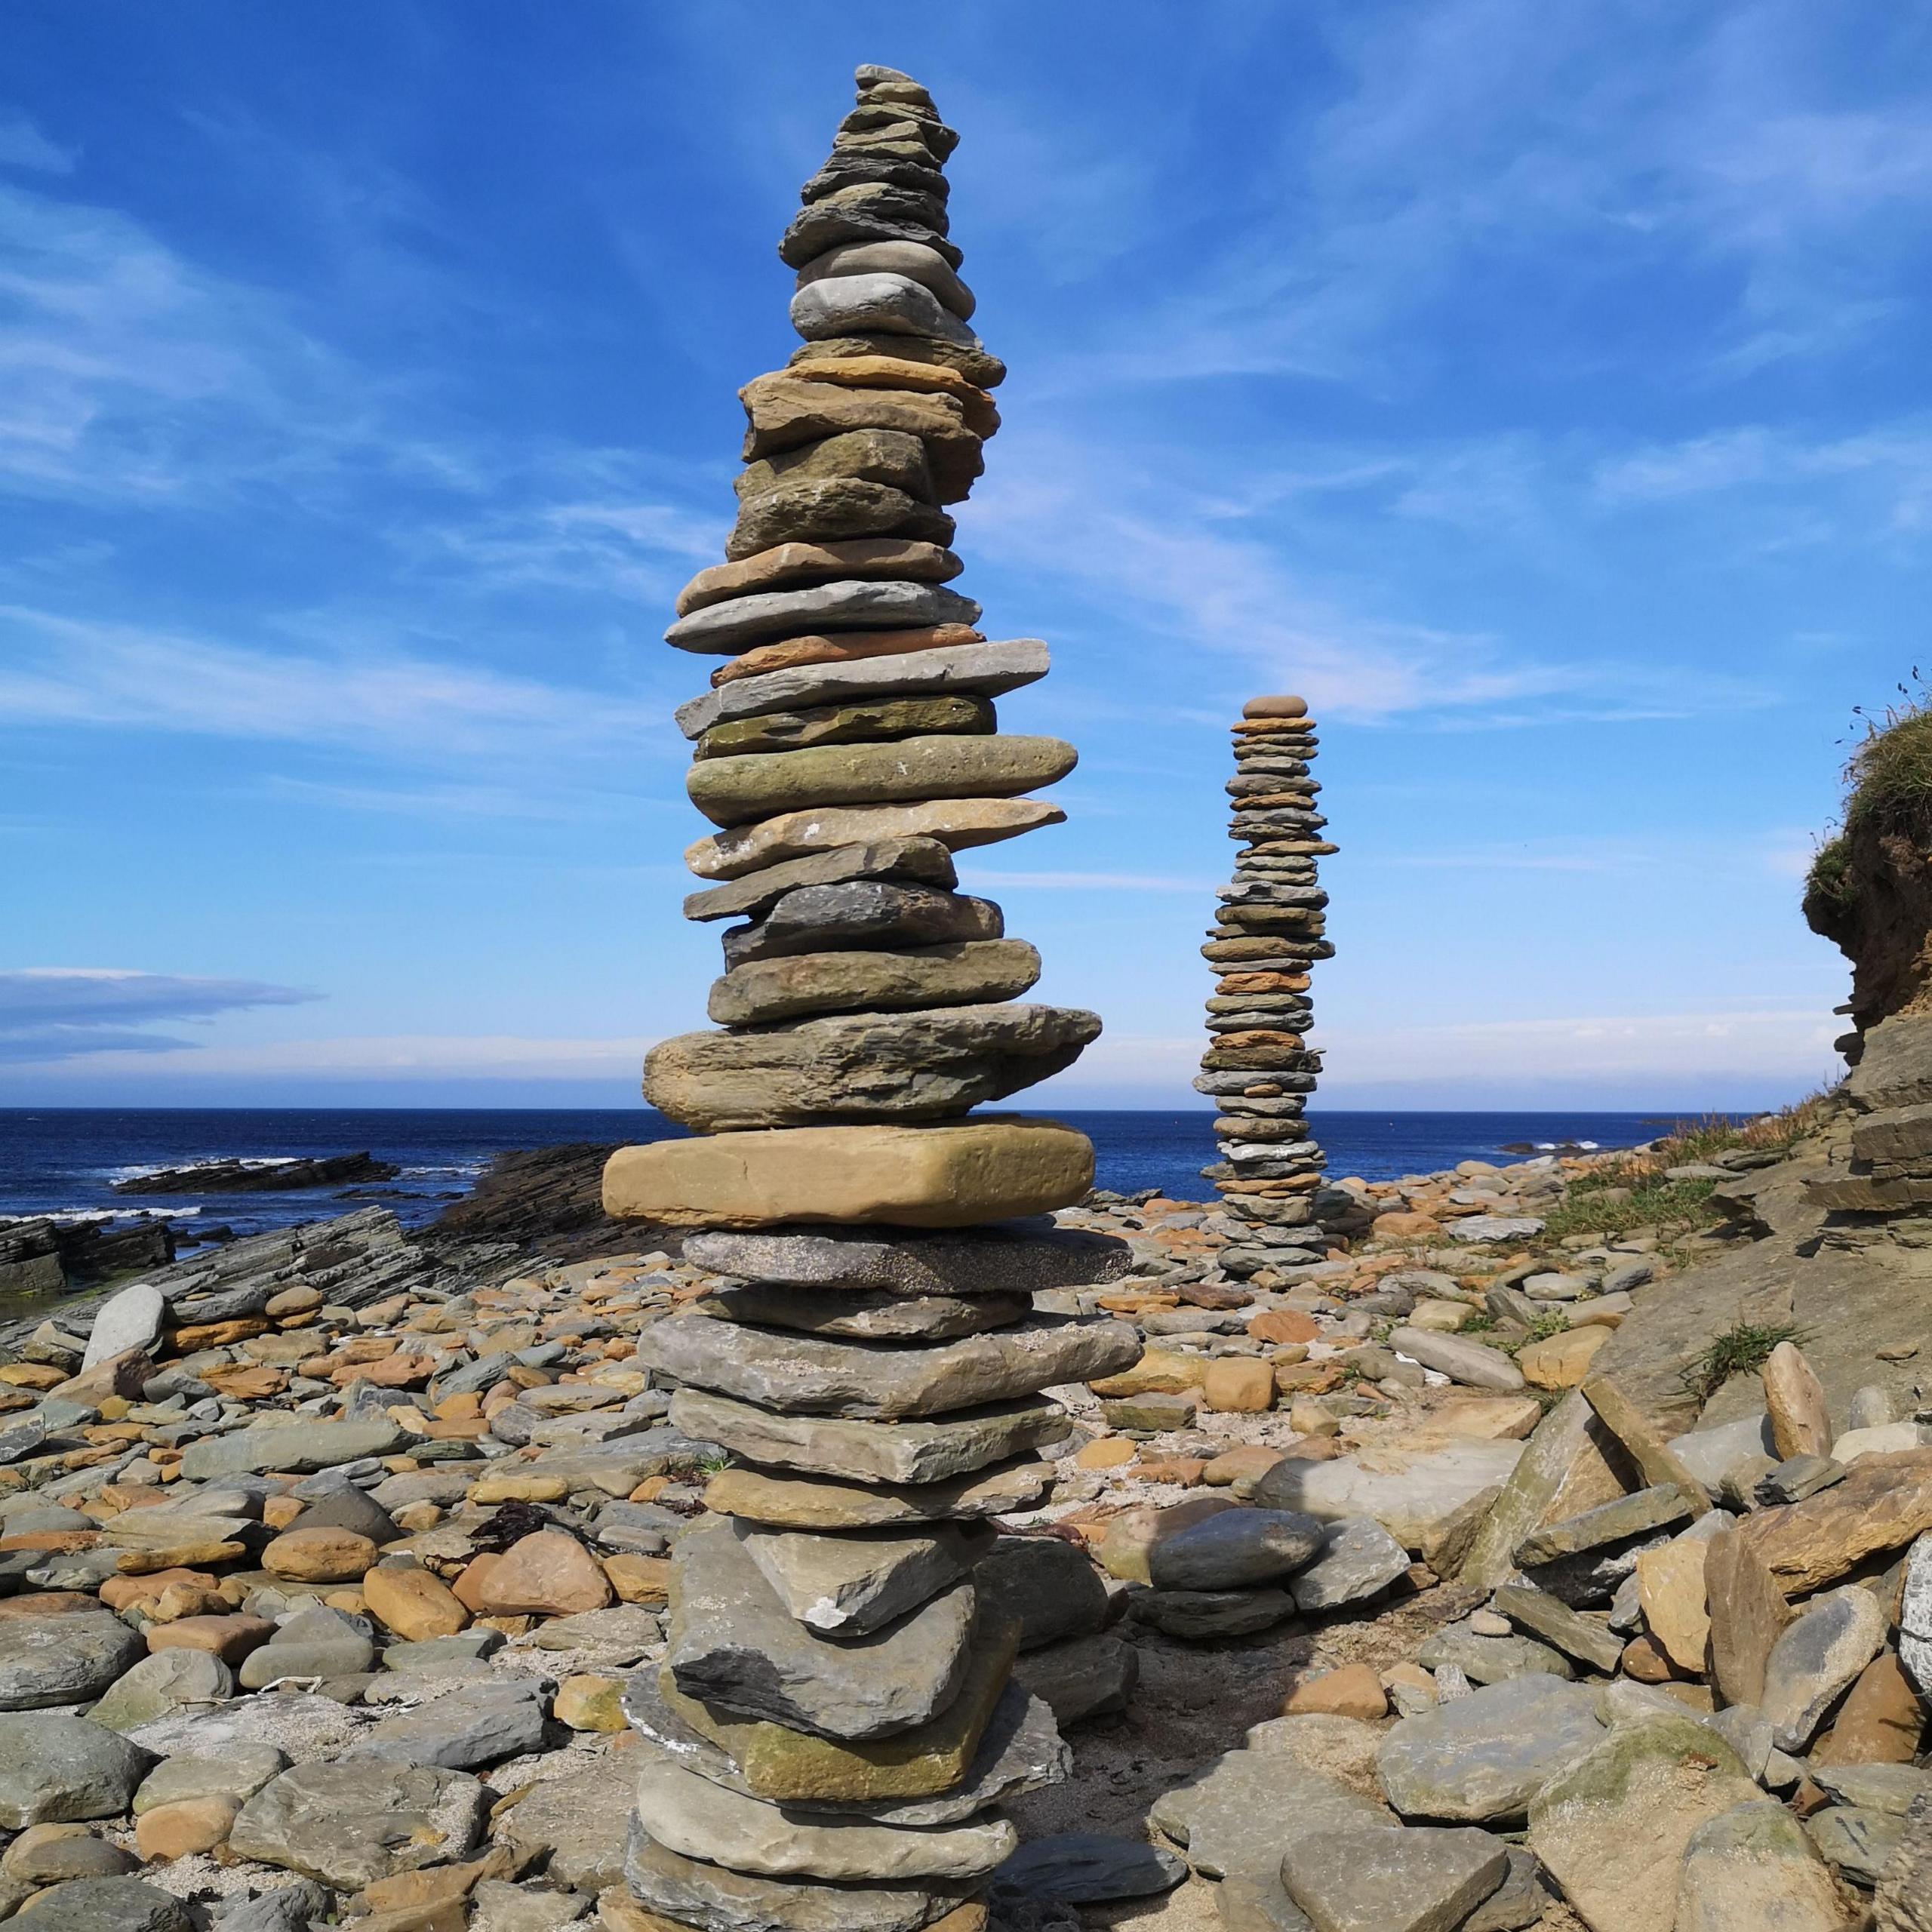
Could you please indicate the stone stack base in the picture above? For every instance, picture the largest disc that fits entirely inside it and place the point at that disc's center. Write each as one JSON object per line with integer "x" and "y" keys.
{"x": 834, "y": 1724}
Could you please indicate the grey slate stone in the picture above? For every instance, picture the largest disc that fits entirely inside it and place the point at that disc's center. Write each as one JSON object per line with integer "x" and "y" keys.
{"x": 1053, "y": 1588}
{"x": 1480, "y": 1759}
{"x": 740, "y": 623}
{"x": 1080, "y": 1677}
{"x": 1015, "y": 1257}
{"x": 294, "y": 1449}
{"x": 1816, "y": 1659}
{"x": 56, "y": 1768}
{"x": 733, "y": 1643}
{"x": 464, "y": 1731}
{"x": 1358, "y": 1559}
{"x": 1491, "y": 1659}
{"x": 977, "y": 670}
{"x": 712, "y": 1899}
{"x": 292, "y": 1908}
{"x": 54, "y": 1661}
{"x": 1234, "y": 1548}
{"x": 1021, "y": 1751}
{"x": 1087, "y": 1868}
{"x": 794, "y": 1374}
{"x": 1418, "y": 1880}
{"x": 875, "y": 305}
{"x": 1241, "y": 1813}
{"x": 109, "y": 1905}
{"x": 352, "y": 1823}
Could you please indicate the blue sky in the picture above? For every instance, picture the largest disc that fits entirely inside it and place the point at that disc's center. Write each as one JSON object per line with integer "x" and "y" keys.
{"x": 1541, "y": 390}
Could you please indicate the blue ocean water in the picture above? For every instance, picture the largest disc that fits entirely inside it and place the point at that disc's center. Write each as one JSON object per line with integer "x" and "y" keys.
{"x": 64, "y": 1160}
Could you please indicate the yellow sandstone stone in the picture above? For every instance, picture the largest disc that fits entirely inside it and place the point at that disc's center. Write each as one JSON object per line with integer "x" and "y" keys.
{"x": 949, "y": 1175}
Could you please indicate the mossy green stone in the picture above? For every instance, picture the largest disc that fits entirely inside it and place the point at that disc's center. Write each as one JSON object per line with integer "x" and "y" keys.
{"x": 794, "y": 1767}
{"x": 877, "y": 455}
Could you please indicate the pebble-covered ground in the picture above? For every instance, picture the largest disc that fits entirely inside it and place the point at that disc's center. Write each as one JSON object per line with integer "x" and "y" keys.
{"x": 330, "y": 1557}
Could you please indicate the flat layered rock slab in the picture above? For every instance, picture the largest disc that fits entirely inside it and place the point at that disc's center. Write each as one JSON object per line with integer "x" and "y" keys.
{"x": 980, "y": 670}
{"x": 288, "y": 1448}
{"x": 917, "y": 861}
{"x": 1419, "y": 1880}
{"x": 1243, "y": 1812}
{"x": 909, "y": 1452}
{"x": 1020, "y": 1750}
{"x": 713, "y": 1900}
{"x": 957, "y": 823}
{"x": 794, "y": 1767}
{"x": 856, "y": 1067}
{"x": 1087, "y": 1868}
{"x": 734, "y": 1645}
{"x": 855, "y": 1583}
{"x": 944, "y": 1176}
{"x": 824, "y": 1502}
{"x": 1884, "y": 1504}
{"x": 869, "y": 1315}
{"x": 1481, "y": 1759}
{"x": 795, "y": 1373}
{"x": 697, "y": 1818}
{"x": 1358, "y": 1559}
{"x": 737, "y": 790}
{"x": 764, "y": 993}
{"x": 350, "y": 1823}
{"x": 1021, "y": 1258}
{"x": 1612, "y": 1828}
{"x": 728, "y": 627}
{"x": 46, "y": 1661}
{"x": 1410, "y": 1497}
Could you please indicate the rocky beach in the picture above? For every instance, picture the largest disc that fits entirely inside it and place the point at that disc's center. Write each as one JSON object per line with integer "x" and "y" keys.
{"x": 843, "y": 1517}
{"x": 1419, "y": 1580}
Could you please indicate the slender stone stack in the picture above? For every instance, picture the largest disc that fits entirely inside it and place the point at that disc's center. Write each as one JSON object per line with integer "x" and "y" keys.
{"x": 1267, "y": 934}
{"x": 834, "y": 1715}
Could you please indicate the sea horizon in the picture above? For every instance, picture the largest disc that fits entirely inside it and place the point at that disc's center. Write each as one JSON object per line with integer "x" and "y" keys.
{"x": 62, "y": 1162}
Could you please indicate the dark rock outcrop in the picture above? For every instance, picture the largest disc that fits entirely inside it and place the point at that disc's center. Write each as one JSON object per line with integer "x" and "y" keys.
{"x": 253, "y": 1177}
{"x": 551, "y": 1194}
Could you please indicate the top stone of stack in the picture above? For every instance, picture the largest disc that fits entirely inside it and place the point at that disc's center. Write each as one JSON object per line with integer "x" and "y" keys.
{"x": 848, "y": 746}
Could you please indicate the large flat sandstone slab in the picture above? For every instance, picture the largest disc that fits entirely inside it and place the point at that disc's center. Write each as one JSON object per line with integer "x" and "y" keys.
{"x": 946, "y": 1176}
{"x": 794, "y": 1373}
{"x": 851, "y": 1067}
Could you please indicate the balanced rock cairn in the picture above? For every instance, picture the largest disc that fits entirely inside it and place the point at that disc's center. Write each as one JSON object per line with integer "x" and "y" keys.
{"x": 835, "y": 1717}
{"x": 1268, "y": 933}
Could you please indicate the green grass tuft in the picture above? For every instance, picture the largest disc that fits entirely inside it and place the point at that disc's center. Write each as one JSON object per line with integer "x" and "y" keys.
{"x": 1622, "y": 1196}
{"x": 1743, "y": 1350}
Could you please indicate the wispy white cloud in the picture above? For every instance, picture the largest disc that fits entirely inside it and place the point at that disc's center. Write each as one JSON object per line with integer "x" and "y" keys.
{"x": 60, "y": 670}
{"x": 401, "y": 1056}
{"x": 60, "y": 1013}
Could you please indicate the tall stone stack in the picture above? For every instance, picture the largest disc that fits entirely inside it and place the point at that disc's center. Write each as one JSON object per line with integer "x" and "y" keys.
{"x": 1267, "y": 935}
{"x": 833, "y": 1719}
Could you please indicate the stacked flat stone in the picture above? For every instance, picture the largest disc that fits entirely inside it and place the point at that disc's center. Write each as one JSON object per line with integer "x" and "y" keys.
{"x": 835, "y": 1717}
{"x": 1267, "y": 935}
